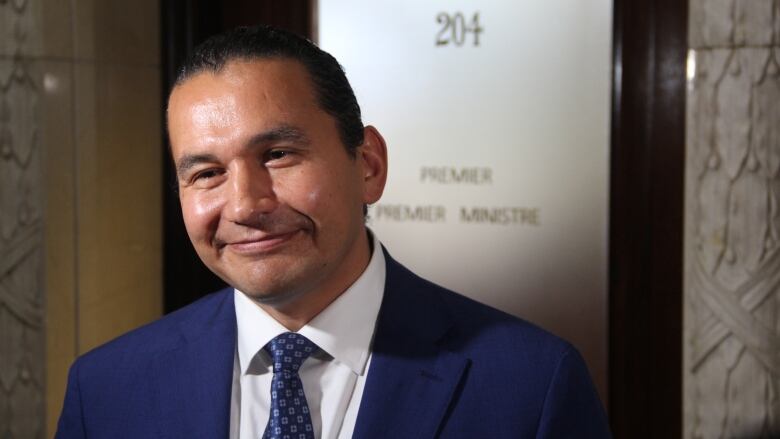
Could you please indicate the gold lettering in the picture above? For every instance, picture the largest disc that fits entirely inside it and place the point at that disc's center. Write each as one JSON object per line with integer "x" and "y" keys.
{"x": 500, "y": 215}
{"x": 450, "y": 175}
{"x": 404, "y": 212}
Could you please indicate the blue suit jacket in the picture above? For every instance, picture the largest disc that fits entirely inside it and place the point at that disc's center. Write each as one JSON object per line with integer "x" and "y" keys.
{"x": 442, "y": 366}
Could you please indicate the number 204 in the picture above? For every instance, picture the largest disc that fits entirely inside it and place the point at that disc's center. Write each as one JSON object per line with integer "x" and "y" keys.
{"x": 454, "y": 29}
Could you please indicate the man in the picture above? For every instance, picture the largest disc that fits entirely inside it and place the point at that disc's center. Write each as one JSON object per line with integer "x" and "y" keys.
{"x": 323, "y": 334}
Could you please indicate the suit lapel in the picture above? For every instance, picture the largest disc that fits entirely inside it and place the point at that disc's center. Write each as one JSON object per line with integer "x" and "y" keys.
{"x": 194, "y": 380}
{"x": 412, "y": 377}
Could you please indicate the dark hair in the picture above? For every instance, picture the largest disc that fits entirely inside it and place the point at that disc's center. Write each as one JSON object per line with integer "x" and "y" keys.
{"x": 332, "y": 90}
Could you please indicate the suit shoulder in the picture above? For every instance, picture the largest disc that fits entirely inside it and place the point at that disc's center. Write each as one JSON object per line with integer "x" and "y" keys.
{"x": 158, "y": 336}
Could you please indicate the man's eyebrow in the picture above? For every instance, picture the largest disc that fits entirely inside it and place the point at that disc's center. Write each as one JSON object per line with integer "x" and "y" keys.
{"x": 282, "y": 132}
{"x": 189, "y": 161}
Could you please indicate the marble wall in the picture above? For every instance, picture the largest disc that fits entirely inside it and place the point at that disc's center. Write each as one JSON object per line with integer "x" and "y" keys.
{"x": 732, "y": 292}
{"x": 80, "y": 201}
{"x": 22, "y": 329}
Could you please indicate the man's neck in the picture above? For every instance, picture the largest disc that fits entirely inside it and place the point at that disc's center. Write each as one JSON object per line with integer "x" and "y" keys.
{"x": 302, "y": 308}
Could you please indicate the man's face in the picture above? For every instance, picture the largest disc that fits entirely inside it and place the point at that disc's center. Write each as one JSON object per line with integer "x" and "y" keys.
{"x": 271, "y": 199}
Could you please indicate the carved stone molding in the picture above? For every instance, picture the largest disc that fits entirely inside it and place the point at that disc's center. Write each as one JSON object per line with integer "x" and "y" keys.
{"x": 732, "y": 329}
{"x": 21, "y": 272}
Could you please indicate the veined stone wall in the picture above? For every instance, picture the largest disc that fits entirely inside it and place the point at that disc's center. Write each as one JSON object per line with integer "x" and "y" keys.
{"x": 22, "y": 345}
{"x": 80, "y": 182}
{"x": 732, "y": 294}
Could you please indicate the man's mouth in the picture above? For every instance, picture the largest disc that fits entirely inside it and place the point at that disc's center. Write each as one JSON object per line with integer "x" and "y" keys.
{"x": 262, "y": 243}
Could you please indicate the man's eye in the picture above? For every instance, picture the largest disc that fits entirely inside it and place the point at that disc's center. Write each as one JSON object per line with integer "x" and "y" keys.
{"x": 205, "y": 175}
{"x": 276, "y": 154}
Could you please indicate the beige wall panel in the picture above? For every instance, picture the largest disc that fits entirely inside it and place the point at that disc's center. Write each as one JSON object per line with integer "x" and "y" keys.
{"x": 119, "y": 206}
{"x": 132, "y": 27}
{"x": 57, "y": 32}
{"x": 83, "y": 29}
{"x": 58, "y": 143}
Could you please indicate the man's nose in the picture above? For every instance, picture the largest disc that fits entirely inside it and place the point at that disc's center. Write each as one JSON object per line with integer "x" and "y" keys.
{"x": 251, "y": 193}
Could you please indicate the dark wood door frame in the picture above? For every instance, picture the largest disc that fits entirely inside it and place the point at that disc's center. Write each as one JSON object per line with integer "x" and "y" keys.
{"x": 646, "y": 218}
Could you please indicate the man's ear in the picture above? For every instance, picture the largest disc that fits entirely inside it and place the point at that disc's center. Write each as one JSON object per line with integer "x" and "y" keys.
{"x": 372, "y": 155}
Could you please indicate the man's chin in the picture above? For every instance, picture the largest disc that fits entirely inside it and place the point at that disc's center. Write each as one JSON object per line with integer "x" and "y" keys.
{"x": 270, "y": 298}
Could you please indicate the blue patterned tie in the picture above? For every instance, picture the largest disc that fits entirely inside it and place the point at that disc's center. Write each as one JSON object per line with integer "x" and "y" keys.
{"x": 289, "y": 417}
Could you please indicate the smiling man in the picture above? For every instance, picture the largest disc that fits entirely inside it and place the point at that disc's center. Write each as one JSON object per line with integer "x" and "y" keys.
{"x": 272, "y": 199}
{"x": 323, "y": 334}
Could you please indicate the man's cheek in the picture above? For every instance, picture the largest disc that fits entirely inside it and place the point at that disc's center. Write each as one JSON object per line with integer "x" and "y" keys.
{"x": 304, "y": 197}
{"x": 314, "y": 196}
{"x": 201, "y": 215}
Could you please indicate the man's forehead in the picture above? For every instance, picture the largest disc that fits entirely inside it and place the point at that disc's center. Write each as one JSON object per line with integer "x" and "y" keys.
{"x": 262, "y": 86}
{"x": 244, "y": 84}
{"x": 242, "y": 99}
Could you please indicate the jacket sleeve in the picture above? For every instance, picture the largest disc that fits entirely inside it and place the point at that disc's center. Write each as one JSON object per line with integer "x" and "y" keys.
{"x": 71, "y": 423}
{"x": 572, "y": 408}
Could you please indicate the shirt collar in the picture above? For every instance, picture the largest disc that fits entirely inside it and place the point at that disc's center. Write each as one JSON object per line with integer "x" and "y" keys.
{"x": 344, "y": 329}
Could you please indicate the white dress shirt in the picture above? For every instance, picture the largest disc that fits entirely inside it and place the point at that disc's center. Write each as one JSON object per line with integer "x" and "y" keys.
{"x": 333, "y": 378}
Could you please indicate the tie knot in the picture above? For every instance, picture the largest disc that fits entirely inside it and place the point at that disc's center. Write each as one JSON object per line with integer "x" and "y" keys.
{"x": 289, "y": 350}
